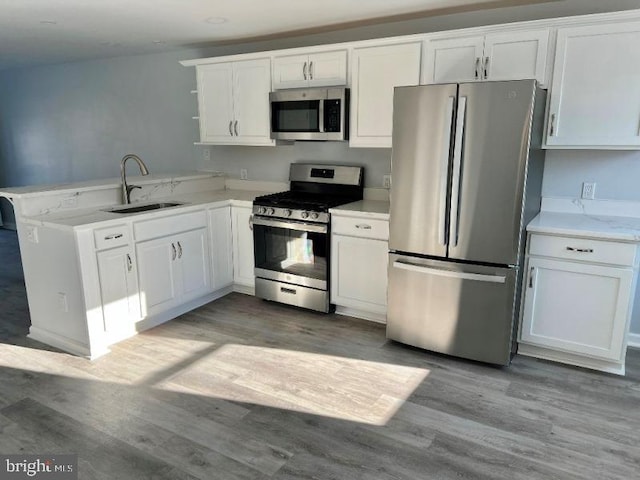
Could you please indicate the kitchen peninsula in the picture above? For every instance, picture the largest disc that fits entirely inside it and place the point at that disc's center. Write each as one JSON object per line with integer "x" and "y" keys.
{"x": 95, "y": 276}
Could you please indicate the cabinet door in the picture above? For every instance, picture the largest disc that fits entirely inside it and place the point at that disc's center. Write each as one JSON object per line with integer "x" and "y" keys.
{"x": 159, "y": 275}
{"x": 595, "y": 94}
{"x": 516, "y": 56}
{"x": 328, "y": 68}
{"x": 291, "y": 71}
{"x": 252, "y": 84}
{"x": 243, "y": 261}
{"x": 576, "y": 307}
{"x": 119, "y": 292}
{"x": 194, "y": 261}
{"x": 359, "y": 273}
{"x": 215, "y": 102}
{"x": 221, "y": 247}
{"x": 372, "y": 91}
{"x": 453, "y": 60}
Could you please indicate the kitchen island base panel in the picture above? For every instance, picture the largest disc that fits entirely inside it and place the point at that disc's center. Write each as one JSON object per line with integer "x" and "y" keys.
{"x": 570, "y": 359}
{"x": 64, "y": 343}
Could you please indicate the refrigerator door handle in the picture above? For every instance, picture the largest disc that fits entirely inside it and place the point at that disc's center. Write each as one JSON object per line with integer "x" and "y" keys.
{"x": 457, "y": 167}
{"x": 449, "y": 273}
{"x": 444, "y": 172}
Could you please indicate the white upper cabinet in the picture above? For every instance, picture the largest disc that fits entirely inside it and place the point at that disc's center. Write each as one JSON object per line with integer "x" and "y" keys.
{"x": 233, "y": 100}
{"x": 313, "y": 70}
{"x": 453, "y": 60}
{"x": 499, "y": 56}
{"x": 376, "y": 71}
{"x": 595, "y": 94}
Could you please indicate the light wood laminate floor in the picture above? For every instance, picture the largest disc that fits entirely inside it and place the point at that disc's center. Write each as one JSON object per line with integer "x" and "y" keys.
{"x": 245, "y": 389}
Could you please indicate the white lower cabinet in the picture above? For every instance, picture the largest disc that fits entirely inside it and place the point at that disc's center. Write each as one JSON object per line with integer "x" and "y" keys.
{"x": 119, "y": 292}
{"x": 221, "y": 239}
{"x": 243, "y": 261}
{"x": 577, "y": 301}
{"x": 173, "y": 269}
{"x": 359, "y": 259}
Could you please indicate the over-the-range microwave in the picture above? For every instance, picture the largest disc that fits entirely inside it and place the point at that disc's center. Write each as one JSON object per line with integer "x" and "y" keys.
{"x": 310, "y": 114}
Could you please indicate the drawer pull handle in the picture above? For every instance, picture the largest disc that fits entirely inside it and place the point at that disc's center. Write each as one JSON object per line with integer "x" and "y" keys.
{"x": 580, "y": 250}
{"x": 363, "y": 226}
{"x": 173, "y": 252}
{"x": 129, "y": 263}
{"x": 179, "y": 250}
{"x": 288, "y": 290}
{"x": 531, "y": 272}
{"x": 113, "y": 236}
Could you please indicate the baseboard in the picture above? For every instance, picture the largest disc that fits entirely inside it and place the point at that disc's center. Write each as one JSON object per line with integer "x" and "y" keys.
{"x": 363, "y": 314}
{"x": 246, "y": 289}
{"x": 570, "y": 359}
{"x": 63, "y": 343}
{"x": 633, "y": 340}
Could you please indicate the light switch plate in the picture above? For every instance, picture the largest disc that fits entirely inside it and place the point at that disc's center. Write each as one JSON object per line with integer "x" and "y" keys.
{"x": 243, "y": 174}
{"x": 386, "y": 181}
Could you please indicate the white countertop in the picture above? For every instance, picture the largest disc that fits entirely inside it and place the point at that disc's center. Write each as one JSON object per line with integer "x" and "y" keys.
{"x": 89, "y": 217}
{"x": 102, "y": 184}
{"x": 364, "y": 208}
{"x": 626, "y": 229}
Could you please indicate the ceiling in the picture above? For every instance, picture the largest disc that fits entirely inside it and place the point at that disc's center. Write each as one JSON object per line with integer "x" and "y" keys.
{"x": 54, "y": 31}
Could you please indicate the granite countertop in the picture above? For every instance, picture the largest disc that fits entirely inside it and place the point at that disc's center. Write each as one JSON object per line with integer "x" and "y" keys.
{"x": 364, "y": 208}
{"x": 626, "y": 229}
{"x": 89, "y": 217}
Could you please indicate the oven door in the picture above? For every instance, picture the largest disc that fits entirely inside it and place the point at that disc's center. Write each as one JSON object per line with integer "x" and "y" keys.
{"x": 291, "y": 251}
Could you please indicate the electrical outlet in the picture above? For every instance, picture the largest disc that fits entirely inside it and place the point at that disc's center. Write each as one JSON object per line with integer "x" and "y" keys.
{"x": 588, "y": 190}
{"x": 32, "y": 234}
{"x": 386, "y": 181}
{"x": 62, "y": 302}
{"x": 206, "y": 153}
{"x": 70, "y": 202}
{"x": 243, "y": 174}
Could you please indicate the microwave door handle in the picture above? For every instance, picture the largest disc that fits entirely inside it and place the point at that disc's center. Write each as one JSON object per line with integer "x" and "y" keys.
{"x": 321, "y": 116}
{"x": 454, "y": 215}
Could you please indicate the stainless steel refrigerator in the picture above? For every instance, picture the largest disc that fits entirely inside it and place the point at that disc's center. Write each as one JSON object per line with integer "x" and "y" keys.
{"x": 467, "y": 172}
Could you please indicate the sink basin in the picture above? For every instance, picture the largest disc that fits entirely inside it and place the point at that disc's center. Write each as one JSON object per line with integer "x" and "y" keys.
{"x": 144, "y": 208}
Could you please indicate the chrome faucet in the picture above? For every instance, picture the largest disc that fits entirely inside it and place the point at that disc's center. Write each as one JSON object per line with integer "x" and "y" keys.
{"x": 126, "y": 189}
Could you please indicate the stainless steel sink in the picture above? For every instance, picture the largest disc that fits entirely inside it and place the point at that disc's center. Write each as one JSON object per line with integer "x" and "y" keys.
{"x": 144, "y": 208}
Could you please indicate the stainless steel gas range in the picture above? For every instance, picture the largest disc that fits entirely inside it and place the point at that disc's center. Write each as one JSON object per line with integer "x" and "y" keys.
{"x": 291, "y": 233}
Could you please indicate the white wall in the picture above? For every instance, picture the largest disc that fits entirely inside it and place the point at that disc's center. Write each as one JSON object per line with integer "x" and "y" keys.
{"x": 616, "y": 173}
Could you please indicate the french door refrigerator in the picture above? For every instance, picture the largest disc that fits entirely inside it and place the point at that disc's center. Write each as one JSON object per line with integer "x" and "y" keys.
{"x": 467, "y": 173}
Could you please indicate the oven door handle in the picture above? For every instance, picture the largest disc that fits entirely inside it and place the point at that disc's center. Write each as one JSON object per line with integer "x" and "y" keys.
{"x": 291, "y": 225}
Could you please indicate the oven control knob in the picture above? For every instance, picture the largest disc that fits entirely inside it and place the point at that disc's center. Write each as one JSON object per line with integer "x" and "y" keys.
{"x": 304, "y": 215}
{"x": 270, "y": 211}
{"x": 261, "y": 210}
{"x": 286, "y": 212}
{"x": 314, "y": 216}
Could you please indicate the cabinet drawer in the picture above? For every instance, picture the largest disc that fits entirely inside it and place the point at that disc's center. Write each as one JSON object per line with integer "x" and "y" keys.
{"x": 360, "y": 227}
{"x": 160, "y": 227}
{"x": 111, "y": 237}
{"x": 588, "y": 250}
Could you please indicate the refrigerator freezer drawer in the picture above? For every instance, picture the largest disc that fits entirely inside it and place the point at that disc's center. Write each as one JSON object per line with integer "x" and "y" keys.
{"x": 461, "y": 310}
